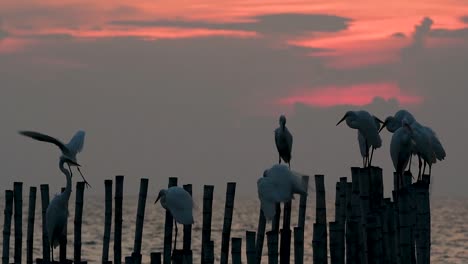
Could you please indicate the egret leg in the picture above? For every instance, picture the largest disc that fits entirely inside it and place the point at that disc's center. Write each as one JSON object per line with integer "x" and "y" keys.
{"x": 409, "y": 166}
{"x": 367, "y": 155}
{"x": 52, "y": 253}
{"x": 420, "y": 166}
{"x": 364, "y": 161}
{"x": 69, "y": 169}
{"x": 175, "y": 239}
{"x": 424, "y": 170}
{"x": 289, "y": 165}
{"x": 430, "y": 169}
{"x": 279, "y": 159}
{"x": 372, "y": 154}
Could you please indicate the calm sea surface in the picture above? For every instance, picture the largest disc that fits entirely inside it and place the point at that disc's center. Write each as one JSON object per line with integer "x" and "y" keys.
{"x": 449, "y": 227}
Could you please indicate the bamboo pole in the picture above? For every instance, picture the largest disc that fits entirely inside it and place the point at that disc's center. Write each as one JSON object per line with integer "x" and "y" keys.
{"x": 376, "y": 189}
{"x": 7, "y": 226}
{"x": 319, "y": 241}
{"x": 364, "y": 185}
{"x": 285, "y": 242}
{"x": 303, "y": 204}
{"x": 168, "y": 225}
{"x": 423, "y": 224}
{"x": 275, "y": 223}
{"x": 129, "y": 260}
{"x": 188, "y": 255}
{"x": 228, "y": 209}
{"x": 404, "y": 227}
{"x": 337, "y": 202}
{"x": 351, "y": 238}
{"x": 30, "y": 234}
{"x": 45, "y": 239}
{"x": 260, "y": 236}
{"x": 140, "y": 218}
{"x": 18, "y": 203}
{"x": 250, "y": 247}
{"x": 374, "y": 242}
{"x": 355, "y": 219}
{"x": 209, "y": 253}
{"x": 272, "y": 240}
{"x": 388, "y": 233}
{"x": 78, "y": 217}
{"x": 298, "y": 245}
{"x": 178, "y": 256}
{"x": 155, "y": 258}
{"x": 107, "y": 220}
{"x": 119, "y": 180}
{"x": 206, "y": 226}
{"x": 396, "y": 224}
{"x": 334, "y": 242}
{"x": 236, "y": 250}
{"x": 342, "y": 220}
{"x": 64, "y": 241}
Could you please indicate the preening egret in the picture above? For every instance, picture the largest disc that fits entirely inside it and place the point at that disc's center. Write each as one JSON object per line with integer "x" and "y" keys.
{"x": 364, "y": 123}
{"x": 284, "y": 141}
{"x": 69, "y": 150}
{"x": 179, "y": 203}
{"x": 57, "y": 211}
{"x": 363, "y": 147}
{"x": 278, "y": 185}
{"x": 400, "y": 150}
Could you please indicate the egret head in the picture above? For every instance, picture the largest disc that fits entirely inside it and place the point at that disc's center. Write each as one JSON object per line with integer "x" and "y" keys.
{"x": 265, "y": 173}
{"x": 406, "y": 124}
{"x": 391, "y": 123}
{"x": 282, "y": 120}
{"x": 349, "y": 116}
{"x": 162, "y": 196}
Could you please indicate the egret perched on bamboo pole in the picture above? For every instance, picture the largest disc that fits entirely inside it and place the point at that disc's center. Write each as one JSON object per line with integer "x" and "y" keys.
{"x": 69, "y": 151}
{"x": 57, "y": 211}
{"x": 284, "y": 141}
{"x": 278, "y": 185}
{"x": 365, "y": 124}
{"x": 179, "y": 203}
{"x": 363, "y": 146}
{"x": 400, "y": 149}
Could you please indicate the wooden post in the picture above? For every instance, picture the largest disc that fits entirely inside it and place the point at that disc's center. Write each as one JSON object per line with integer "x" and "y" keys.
{"x": 388, "y": 233}
{"x": 206, "y": 228}
{"x": 63, "y": 242}
{"x": 209, "y": 253}
{"x": 188, "y": 256}
{"x": 364, "y": 188}
{"x": 18, "y": 202}
{"x": 405, "y": 227}
{"x": 272, "y": 240}
{"x": 423, "y": 224}
{"x": 30, "y": 235}
{"x": 140, "y": 220}
{"x": 7, "y": 226}
{"x": 374, "y": 244}
{"x": 78, "y": 217}
{"x": 376, "y": 189}
{"x": 285, "y": 243}
{"x": 355, "y": 218}
{"x": 275, "y": 223}
{"x": 129, "y": 260}
{"x": 45, "y": 239}
{"x": 107, "y": 220}
{"x": 298, "y": 245}
{"x": 155, "y": 258}
{"x": 168, "y": 225}
{"x": 342, "y": 220}
{"x": 303, "y": 204}
{"x": 177, "y": 256}
{"x": 228, "y": 209}
{"x": 334, "y": 242}
{"x": 236, "y": 250}
{"x": 260, "y": 236}
{"x": 250, "y": 247}
{"x": 119, "y": 180}
{"x": 319, "y": 241}
{"x": 350, "y": 236}
{"x": 396, "y": 225}
{"x": 337, "y": 202}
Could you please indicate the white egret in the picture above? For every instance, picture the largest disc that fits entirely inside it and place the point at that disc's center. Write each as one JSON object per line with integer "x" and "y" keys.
{"x": 179, "y": 203}
{"x": 57, "y": 211}
{"x": 278, "y": 185}
{"x": 284, "y": 141}
{"x": 400, "y": 150}
{"x": 364, "y": 123}
{"x": 69, "y": 151}
{"x": 364, "y": 149}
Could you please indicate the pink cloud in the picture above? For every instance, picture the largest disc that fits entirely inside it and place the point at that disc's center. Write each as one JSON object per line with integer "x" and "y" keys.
{"x": 357, "y": 95}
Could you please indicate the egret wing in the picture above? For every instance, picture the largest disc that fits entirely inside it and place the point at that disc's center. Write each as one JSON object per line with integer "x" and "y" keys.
{"x": 180, "y": 204}
{"x": 77, "y": 142}
{"x": 45, "y": 138}
{"x": 266, "y": 193}
{"x": 436, "y": 144}
{"x": 362, "y": 144}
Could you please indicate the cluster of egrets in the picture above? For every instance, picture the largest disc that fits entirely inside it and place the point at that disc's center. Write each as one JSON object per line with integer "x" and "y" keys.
{"x": 279, "y": 183}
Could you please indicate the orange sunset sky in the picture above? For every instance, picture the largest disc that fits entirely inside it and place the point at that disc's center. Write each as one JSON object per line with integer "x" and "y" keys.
{"x": 162, "y": 73}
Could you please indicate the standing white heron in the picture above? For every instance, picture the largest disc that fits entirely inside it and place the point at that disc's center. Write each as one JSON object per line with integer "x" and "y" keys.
{"x": 278, "y": 185}
{"x": 365, "y": 124}
{"x": 284, "y": 141}
{"x": 400, "y": 150}
{"x": 363, "y": 147}
{"x": 179, "y": 203}
{"x": 57, "y": 211}
{"x": 426, "y": 143}
{"x": 69, "y": 151}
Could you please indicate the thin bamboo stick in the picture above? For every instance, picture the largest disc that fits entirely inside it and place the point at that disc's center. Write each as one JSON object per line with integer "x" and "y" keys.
{"x": 140, "y": 218}
{"x": 18, "y": 203}
{"x": 168, "y": 225}
{"x": 7, "y": 226}
{"x": 298, "y": 245}
{"x": 30, "y": 234}
{"x": 228, "y": 209}
{"x": 107, "y": 220}
{"x": 78, "y": 217}
{"x": 260, "y": 236}
{"x": 119, "y": 180}
{"x": 272, "y": 240}
{"x": 45, "y": 239}
{"x": 236, "y": 250}
{"x": 206, "y": 226}
{"x": 250, "y": 247}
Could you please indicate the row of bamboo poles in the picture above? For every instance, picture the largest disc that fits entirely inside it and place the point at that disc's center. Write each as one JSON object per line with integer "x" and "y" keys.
{"x": 367, "y": 228}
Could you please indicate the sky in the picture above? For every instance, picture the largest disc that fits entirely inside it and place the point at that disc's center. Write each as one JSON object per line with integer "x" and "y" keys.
{"x": 194, "y": 89}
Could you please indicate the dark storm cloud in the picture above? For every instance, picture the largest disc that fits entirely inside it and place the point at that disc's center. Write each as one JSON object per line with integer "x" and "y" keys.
{"x": 464, "y": 19}
{"x": 450, "y": 33}
{"x": 399, "y": 35}
{"x": 270, "y": 24}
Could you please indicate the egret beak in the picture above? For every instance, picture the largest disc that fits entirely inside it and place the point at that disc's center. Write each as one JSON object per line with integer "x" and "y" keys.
{"x": 380, "y": 121}
{"x": 384, "y": 125}
{"x": 342, "y": 119}
{"x": 157, "y": 199}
